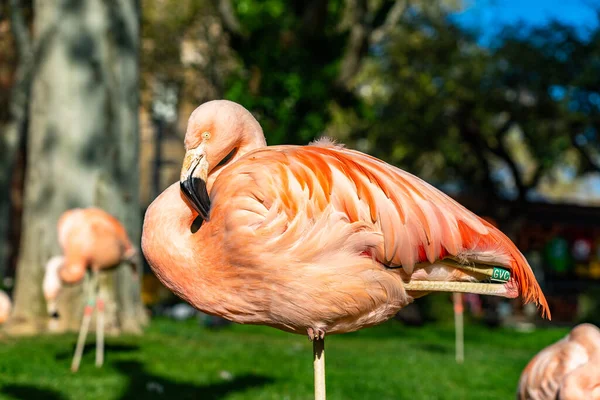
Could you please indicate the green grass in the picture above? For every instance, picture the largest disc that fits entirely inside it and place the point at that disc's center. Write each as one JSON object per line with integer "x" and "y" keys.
{"x": 245, "y": 362}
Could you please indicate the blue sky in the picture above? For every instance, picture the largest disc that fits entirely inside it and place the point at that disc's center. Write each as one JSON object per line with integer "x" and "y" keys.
{"x": 488, "y": 16}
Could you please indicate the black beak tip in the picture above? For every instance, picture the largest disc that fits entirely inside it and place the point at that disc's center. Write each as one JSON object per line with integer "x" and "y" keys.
{"x": 54, "y": 315}
{"x": 195, "y": 191}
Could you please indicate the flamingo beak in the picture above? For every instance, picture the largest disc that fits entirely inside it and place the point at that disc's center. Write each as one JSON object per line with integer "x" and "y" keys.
{"x": 193, "y": 181}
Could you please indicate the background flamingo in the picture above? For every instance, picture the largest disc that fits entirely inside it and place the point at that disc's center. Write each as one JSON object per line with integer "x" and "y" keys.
{"x": 567, "y": 370}
{"x": 91, "y": 240}
{"x": 5, "y": 307}
{"x": 314, "y": 239}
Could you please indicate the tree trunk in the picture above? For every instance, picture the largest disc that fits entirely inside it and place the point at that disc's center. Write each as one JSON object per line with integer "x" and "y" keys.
{"x": 13, "y": 132}
{"x": 8, "y": 148}
{"x": 82, "y": 150}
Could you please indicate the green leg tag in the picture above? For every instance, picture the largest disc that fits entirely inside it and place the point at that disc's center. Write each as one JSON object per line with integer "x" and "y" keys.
{"x": 500, "y": 274}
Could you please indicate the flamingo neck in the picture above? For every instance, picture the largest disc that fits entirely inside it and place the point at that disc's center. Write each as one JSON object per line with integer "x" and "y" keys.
{"x": 52, "y": 283}
{"x": 252, "y": 136}
{"x": 185, "y": 262}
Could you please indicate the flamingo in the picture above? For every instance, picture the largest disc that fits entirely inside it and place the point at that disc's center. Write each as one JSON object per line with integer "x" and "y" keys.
{"x": 5, "y": 307}
{"x": 91, "y": 240}
{"x": 315, "y": 239}
{"x": 566, "y": 370}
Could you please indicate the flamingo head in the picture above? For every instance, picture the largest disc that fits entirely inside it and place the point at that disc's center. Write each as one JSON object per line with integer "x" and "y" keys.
{"x": 218, "y": 133}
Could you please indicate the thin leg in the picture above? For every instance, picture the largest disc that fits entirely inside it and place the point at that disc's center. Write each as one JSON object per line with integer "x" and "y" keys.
{"x": 90, "y": 295}
{"x": 459, "y": 327}
{"x": 319, "y": 366}
{"x": 99, "y": 318}
{"x": 99, "y": 332}
{"x": 85, "y": 325}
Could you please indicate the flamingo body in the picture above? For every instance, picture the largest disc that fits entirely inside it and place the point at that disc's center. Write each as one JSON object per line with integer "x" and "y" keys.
{"x": 311, "y": 238}
{"x": 90, "y": 238}
{"x": 566, "y": 370}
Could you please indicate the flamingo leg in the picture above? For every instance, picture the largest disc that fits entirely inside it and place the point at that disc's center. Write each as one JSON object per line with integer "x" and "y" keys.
{"x": 99, "y": 326}
{"x": 319, "y": 366}
{"x": 85, "y": 324}
{"x": 317, "y": 336}
{"x": 459, "y": 328}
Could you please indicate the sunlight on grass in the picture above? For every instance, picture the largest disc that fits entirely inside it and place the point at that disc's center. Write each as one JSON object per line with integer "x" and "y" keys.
{"x": 184, "y": 361}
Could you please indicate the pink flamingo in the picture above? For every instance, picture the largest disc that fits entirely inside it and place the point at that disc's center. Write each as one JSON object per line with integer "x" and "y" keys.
{"x": 91, "y": 240}
{"x": 566, "y": 370}
{"x": 314, "y": 239}
{"x": 5, "y": 307}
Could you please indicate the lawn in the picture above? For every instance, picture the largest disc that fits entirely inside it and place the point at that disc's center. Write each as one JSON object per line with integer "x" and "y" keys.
{"x": 180, "y": 360}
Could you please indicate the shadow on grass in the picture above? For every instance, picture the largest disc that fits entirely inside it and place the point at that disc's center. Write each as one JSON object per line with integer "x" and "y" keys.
{"x": 435, "y": 348}
{"x": 26, "y": 392}
{"x": 143, "y": 384}
{"x": 91, "y": 348}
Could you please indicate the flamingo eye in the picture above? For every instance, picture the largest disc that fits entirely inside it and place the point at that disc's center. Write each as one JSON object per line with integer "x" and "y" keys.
{"x": 205, "y": 135}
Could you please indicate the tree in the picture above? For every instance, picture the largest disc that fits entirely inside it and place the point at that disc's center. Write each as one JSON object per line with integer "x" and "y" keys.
{"x": 300, "y": 58}
{"x": 82, "y": 148}
{"x": 496, "y": 121}
{"x": 290, "y": 62}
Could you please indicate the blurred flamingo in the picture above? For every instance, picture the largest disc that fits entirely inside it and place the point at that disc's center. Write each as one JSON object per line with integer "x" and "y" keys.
{"x": 566, "y": 370}
{"x": 314, "y": 239}
{"x": 5, "y": 307}
{"x": 92, "y": 240}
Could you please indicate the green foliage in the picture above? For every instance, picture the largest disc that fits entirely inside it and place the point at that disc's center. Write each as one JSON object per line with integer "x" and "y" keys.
{"x": 427, "y": 97}
{"x": 185, "y": 361}
{"x": 444, "y": 107}
{"x": 289, "y": 65}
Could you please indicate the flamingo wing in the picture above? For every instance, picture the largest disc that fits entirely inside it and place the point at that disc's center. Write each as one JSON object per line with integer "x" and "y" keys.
{"x": 108, "y": 223}
{"x": 287, "y": 194}
{"x": 93, "y": 236}
{"x": 543, "y": 375}
{"x": 81, "y": 223}
{"x": 563, "y": 369}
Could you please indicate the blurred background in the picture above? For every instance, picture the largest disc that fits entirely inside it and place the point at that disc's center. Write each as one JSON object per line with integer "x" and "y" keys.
{"x": 495, "y": 102}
